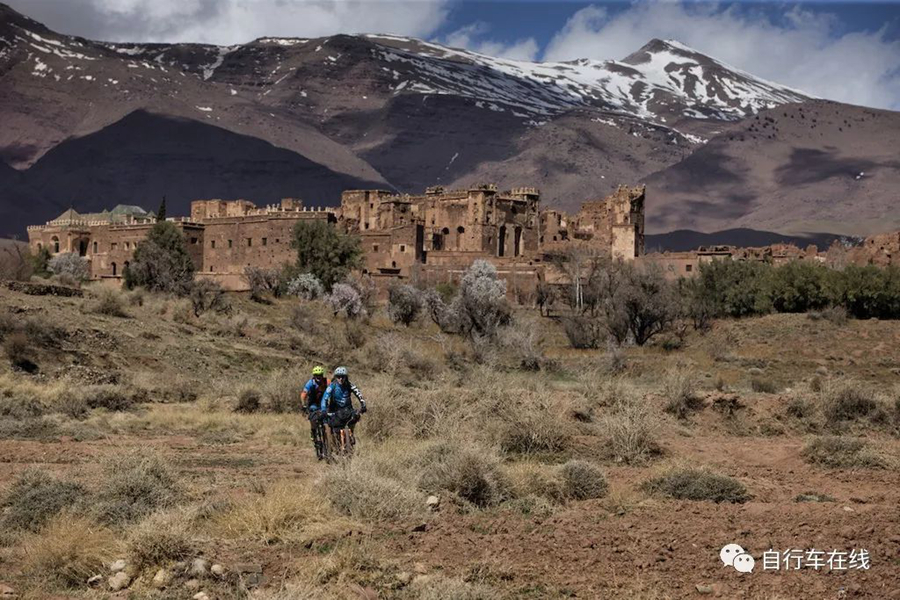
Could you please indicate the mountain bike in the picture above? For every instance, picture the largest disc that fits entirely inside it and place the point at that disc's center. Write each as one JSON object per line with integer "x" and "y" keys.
{"x": 342, "y": 437}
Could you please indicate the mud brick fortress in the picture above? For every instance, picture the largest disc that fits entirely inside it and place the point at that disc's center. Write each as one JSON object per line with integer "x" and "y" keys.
{"x": 432, "y": 237}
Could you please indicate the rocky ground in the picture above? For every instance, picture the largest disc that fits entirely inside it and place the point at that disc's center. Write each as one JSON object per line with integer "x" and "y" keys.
{"x": 248, "y": 512}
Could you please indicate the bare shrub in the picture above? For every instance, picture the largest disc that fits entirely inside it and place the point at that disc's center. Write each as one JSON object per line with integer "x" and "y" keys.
{"x": 583, "y": 480}
{"x": 345, "y": 300}
{"x": 20, "y": 352}
{"x": 249, "y": 401}
{"x": 69, "y": 264}
{"x": 471, "y": 472}
{"x": 837, "y": 452}
{"x": 525, "y": 344}
{"x": 306, "y": 286}
{"x": 206, "y": 295}
{"x": 697, "y": 485}
{"x": 112, "y": 397}
{"x": 763, "y": 385}
{"x": 452, "y": 588}
{"x": 135, "y": 485}
{"x": 158, "y": 539}
{"x": 68, "y": 551}
{"x": 833, "y": 314}
{"x": 108, "y": 302}
{"x": 481, "y": 305}
{"x": 584, "y": 332}
{"x": 304, "y": 320}
{"x": 404, "y": 304}
{"x": 532, "y": 426}
{"x": 680, "y": 391}
{"x": 35, "y": 497}
{"x": 261, "y": 282}
{"x": 531, "y": 479}
{"x": 16, "y": 263}
{"x": 361, "y": 492}
{"x": 280, "y": 391}
{"x": 631, "y": 428}
{"x": 847, "y": 401}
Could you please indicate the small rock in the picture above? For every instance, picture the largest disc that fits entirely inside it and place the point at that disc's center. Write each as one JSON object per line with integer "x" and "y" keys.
{"x": 180, "y": 566}
{"x": 217, "y": 570}
{"x": 704, "y": 589}
{"x": 199, "y": 567}
{"x": 7, "y": 592}
{"x": 161, "y": 579}
{"x": 192, "y": 584}
{"x": 200, "y": 596}
{"x": 848, "y": 509}
{"x": 421, "y": 579}
{"x": 119, "y": 581}
{"x": 95, "y": 580}
{"x": 420, "y": 568}
{"x": 404, "y": 577}
{"x": 433, "y": 502}
{"x": 420, "y": 527}
{"x": 117, "y": 566}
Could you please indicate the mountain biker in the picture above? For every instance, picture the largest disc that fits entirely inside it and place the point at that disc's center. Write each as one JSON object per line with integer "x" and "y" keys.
{"x": 311, "y": 397}
{"x": 337, "y": 402}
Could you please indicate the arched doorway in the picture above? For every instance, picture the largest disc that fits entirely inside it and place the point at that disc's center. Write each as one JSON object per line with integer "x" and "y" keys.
{"x": 55, "y": 241}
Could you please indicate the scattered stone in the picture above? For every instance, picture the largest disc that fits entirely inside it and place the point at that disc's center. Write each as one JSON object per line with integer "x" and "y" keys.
{"x": 217, "y": 570}
{"x": 848, "y": 509}
{"x": 433, "y": 502}
{"x": 420, "y": 568}
{"x": 200, "y": 596}
{"x": 192, "y": 584}
{"x": 704, "y": 589}
{"x": 92, "y": 581}
{"x": 7, "y": 592}
{"x": 199, "y": 567}
{"x": 404, "y": 577}
{"x": 161, "y": 579}
{"x": 118, "y": 565}
{"x": 119, "y": 581}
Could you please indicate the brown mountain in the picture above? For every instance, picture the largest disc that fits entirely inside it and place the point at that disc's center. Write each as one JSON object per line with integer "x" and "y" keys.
{"x": 92, "y": 124}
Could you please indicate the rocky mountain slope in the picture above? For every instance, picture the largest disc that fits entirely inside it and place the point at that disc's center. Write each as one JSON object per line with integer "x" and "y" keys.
{"x": 91, "y": 124}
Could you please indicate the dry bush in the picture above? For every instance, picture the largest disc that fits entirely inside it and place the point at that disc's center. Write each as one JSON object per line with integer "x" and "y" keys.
{"x": 680, "y": 391}
{"x": 525, "y": 344}
{"x": 281, "y": 390}
{"x": 20, "y": 352}
{"x": 697, "y": 485}
{"x": 834, "y": 314}
{"x": 763, "y": 385}
{"x": 112, "y": 397}
{"x": 35, "y": 497}
{"x": 249, "y": 400}
{"x": 584, "y": 332}
{"x": 471, "y": 472}
{"x": 529, "y": 479}
{"x": 837, "y": 452}
{"x": 232, "y": 326}
{"x": 160, "y": 538}
{"x": 405, "y": 303}
{"x": 134, "y": 485}
{"x": 631, "y": 428}
{"x": 439, "y": 587}
{"x": 361, "y": 490}
{"x": 813, "y": 497}
{"x": 206, "y": 295}
{"x": 68, "y": 551}
{"x": 847, "y": 401}
{"x": 108, "y": 302}
{"x": 583, "y": 480}
{"x": 531, "y": 425}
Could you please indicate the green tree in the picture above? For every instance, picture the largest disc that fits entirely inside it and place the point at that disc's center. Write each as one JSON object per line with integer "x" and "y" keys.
{"x": 325, "y": 251}
{"x": 161, "y": 262}
{"x": 161, "y": 213}
{"x": 800, "y": 286}
{"x": 731, "y": 288}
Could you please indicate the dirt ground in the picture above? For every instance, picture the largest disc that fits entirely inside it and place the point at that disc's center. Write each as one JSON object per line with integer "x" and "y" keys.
{"x": 627, "y": 545}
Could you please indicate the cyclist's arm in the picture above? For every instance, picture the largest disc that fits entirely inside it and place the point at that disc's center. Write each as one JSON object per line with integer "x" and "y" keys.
{"x": 326, "y": 397}
{"x": 355, "y": 390}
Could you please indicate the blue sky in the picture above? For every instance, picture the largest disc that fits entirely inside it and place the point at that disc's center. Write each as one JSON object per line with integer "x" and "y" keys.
{"x": 846, "y": 51}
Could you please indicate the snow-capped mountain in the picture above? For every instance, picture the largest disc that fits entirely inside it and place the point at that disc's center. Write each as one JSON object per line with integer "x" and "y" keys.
{"x": 94, "y": 123}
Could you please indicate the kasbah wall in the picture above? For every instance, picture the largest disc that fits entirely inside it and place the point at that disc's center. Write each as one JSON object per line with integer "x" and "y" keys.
{"x": 428, "y": 238}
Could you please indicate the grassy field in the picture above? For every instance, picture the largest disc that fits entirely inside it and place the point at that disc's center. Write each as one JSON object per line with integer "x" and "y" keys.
{"x": 558, "y": 473}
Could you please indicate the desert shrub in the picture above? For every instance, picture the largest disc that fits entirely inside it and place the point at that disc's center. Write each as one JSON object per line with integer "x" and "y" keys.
{"x": 135, "y": 485}
{"x": 869, "y": 292}
{"x": 249, "y": 401}
{"x": 451, "y": 588}
{"x": 206, "y": 295}
{"x": 71, "y": 265}
{"x": 20, "y": 352}
{"x": 18, "y": 264}
{"x": 262, "y": 282}
{"x": 531, "y": 479}
{"x": 306, "y": 286}
{"x": 325, "y": 251}
{"x": 697, "y": 484}
{"x": 35, "y": 497}
{"x": 531, "y": 427}
{"x": 480, "y": 306}
{"x": 837, "y": 452}
{"x": 44, "y": 332}
{"x": 813, "y": 497}
{"x": 361, "y": 492}
{"x": 800, "y": 408}
{"x": 730, "y": 288}
{"x": 583, "y": 480}
{"x": 161, "y": 262}
{"x": 404, "y": 304}
{"x": 763, "y": 384}
{"x": 524, "y": 343}
{"x": 111, "y": 397}
{"x": 680, "y": 391}
{"x": 847, "y": 401}
{"x": 584, "y": 332}
{"x": 280, "y": 391}
{"x": 643, "y": 300}
{"x": 304, "y": 320}
{"x": 801, "y": 286}
{"x": 441, "y": 312}
{"x": 834, "y": 314}
{"x": 631, "y": 429}
{"x": 345, "y": 299}
{"x": 108, "y": 302}
{"x": 158, "y": 539}
{"x": 68, "y": 551}
{"x": 471, "y": 472}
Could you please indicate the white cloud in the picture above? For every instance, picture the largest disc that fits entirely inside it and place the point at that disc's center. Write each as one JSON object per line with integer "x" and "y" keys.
{"x": 804, "y": 50}
{"x": 465, "y": 37}
{"x": 228, "y": 22}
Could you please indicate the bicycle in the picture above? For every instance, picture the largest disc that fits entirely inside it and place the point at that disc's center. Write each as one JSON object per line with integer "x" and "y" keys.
{"x": 342, "y": 436}
{"x": 320, "y": 440}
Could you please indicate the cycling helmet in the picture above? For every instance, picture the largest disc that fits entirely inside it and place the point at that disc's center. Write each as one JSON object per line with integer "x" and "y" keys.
{"x": 318, "y": 371}
{"x": 340, "y": 371}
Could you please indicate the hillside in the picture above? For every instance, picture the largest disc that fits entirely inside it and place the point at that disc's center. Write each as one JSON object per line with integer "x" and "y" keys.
{"x": 400, "y": 113}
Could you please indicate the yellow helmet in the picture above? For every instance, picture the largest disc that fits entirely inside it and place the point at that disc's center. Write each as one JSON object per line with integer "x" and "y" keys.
{"x": 317, "y": 371}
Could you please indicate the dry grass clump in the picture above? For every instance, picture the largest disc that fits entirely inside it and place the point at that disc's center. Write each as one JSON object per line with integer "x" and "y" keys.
{"x": 438, "y": 587}
{"x": 680, "y": 391}
{"x": 284, "y": 511}
{"x": 108, "y": 302}
{"x": 838, "y": 452}
{"x": 68, "y": 551}
{"x": 534, "y": 480}
{"x": 112, "y": 397}
{"x": 583, "y": 481}
{"x": 35, "y": 497}
{"x": 834, "y": 314}
{"x": 135, "y": 485}
{"x": 531, "y": 425}
{"x": 845, "y": 400}
{"x": 361, "y": 492}
{"x": 763, "y": 385}
{"x": 697, "y": 485}
{"x": 631, "y": 428}
{"x": 160, "y": 538}
{"x": 471, "y": 472}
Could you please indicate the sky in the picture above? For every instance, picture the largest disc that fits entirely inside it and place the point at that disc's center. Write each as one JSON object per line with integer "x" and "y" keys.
{"x": 844, "y": 51}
